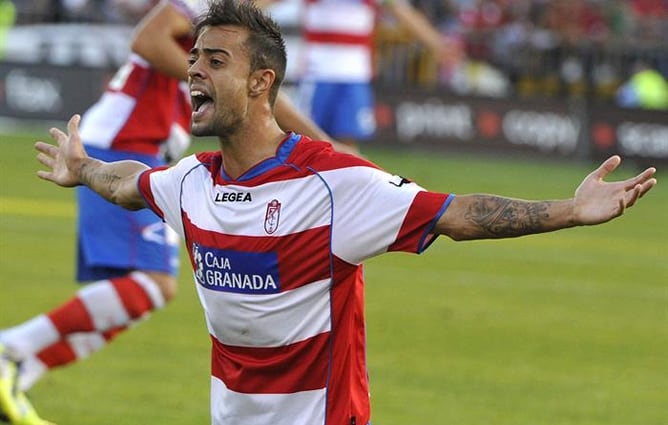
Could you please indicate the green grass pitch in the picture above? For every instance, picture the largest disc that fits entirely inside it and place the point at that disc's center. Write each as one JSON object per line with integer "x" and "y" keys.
{"x": 565, "y": 328}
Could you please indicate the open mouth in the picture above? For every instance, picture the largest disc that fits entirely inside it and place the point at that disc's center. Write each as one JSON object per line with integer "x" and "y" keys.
{"x": 199, "y": 100}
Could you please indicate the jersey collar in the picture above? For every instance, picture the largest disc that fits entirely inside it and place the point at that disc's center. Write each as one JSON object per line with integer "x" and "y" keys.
{"x": 282, "y": 153}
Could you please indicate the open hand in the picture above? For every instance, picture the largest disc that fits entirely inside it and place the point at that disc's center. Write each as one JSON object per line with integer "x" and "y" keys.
{"x": 597, "y": 201}
{"x": 63, "y": 159}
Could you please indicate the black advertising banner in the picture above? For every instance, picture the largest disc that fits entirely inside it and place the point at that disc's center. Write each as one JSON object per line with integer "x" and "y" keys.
{"x": 48, "y": 92}
{"x": 555, "y": 127}
{"x": 631, "y": 133}
{"x": 430, "y": 119}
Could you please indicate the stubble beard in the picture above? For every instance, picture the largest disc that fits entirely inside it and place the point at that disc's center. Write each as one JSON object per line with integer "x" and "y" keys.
{"x": 221, "y": 126}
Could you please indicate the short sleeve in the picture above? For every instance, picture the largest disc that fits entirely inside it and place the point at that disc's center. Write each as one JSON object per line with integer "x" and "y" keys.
{"x": 161, "y": 189}
{"x": 376, "y": 212}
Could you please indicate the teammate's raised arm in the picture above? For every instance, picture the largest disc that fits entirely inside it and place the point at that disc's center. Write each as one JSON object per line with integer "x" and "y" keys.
{"x": 157, "y": 36}
{"x": 482, "y": 216}
{"x": 69, "y": 166}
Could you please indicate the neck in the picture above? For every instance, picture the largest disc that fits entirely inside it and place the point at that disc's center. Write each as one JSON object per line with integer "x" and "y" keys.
{"x": 250, "y": 146}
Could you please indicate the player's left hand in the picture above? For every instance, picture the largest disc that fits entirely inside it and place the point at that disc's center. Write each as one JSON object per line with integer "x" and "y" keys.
{"x": 597, "y": 201}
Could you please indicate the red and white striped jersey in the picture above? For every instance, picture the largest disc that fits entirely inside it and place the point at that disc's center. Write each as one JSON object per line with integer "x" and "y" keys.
{"x": 142, "y": 108}
{"x": 338, "y": 40}
{"x": 277, "y": 258}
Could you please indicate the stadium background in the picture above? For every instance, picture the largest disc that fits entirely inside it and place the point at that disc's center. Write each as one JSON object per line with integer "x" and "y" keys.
{"x": 568, "y": 328}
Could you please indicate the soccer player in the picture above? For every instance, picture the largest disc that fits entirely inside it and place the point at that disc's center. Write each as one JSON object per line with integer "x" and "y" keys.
{"x": 340, "y": 97}
{"x": 277, "y": 228}
{"x": 131, "y": 259}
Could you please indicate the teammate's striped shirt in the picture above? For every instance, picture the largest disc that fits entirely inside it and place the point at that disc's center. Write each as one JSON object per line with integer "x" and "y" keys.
{"x": 338, "y": 39}
{"x": 277, "y": 257}
{"x": 142, "y": 108}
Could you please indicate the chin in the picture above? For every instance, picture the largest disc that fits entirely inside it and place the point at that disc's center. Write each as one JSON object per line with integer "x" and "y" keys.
{"x": 200, "y": 130}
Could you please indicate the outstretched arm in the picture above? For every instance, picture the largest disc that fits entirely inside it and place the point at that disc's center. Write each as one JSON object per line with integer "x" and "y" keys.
{"x": 69, "y": 165}
{"x": 481, "y": 216}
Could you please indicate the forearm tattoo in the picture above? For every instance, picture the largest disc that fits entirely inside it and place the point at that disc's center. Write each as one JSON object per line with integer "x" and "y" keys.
{"x": 103, "y": 183}
{"x": 503, "y": 217}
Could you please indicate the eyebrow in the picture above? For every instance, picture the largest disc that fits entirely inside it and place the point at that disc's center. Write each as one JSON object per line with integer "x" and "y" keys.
{"x": 209, "y": 51}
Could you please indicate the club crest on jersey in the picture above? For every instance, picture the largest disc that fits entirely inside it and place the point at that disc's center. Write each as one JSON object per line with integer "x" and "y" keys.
{"x": 272, "y": 217}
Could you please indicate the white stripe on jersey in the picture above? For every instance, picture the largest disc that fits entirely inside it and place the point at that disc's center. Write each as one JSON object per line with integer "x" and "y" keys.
{"x": 340, "y": 17}
{"x": 296, "y": 408}
{"x": 172, "y": 191}
{"x": 338, "y": 62}
{"x": 247, "y": 218}
{"x": 104, "y": 126}
{"x": 272, "y": 320}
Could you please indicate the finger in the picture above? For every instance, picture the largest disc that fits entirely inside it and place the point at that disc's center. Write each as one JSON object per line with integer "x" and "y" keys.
{"x": 608, "y": 166}
{"x": 46, "y": 160}
{"x": 621, "y": 209}
{"x": 46, "y": 148}
{"x": 635, "y": 194}
{"x": 646, "y": 186}
{"x": 73, "y": 125}
{"x": 57, "y": 134}
{"x": 45, "y": 175}
{"x": 639, "y": 179}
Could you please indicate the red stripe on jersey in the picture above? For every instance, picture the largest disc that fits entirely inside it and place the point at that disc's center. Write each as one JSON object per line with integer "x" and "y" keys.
{"x": 348, "y": 392}
{"x": 135, "y": 81}
{"x": 160, "y": 103}
{"x": 338, "y": 38}
{"x": 274, "y": 370}
{"x": 418, "y": 220}
{"x": 297, "y": 266}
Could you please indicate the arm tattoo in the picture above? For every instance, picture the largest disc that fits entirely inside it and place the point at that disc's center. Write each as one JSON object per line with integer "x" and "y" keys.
{"x": 503, "y": 217}
{"x": 103, "y": 183}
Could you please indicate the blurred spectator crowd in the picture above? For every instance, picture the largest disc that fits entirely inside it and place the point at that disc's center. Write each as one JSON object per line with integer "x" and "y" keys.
{"x": 576, "y": 48}
{"x": 534, "y": 21}
{"x": 81, "y": 11}
{"x": 586, "y": 48}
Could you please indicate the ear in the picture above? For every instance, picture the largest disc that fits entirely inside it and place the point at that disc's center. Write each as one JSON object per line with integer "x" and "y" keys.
{"x": 260, "y": 82}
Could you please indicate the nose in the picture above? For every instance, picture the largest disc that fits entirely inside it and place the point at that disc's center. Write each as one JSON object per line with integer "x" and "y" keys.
{"x": 194, "y": 70}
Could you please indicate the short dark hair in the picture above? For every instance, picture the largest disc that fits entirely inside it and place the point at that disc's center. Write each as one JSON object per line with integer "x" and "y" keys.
{"x": 265, "y": 44}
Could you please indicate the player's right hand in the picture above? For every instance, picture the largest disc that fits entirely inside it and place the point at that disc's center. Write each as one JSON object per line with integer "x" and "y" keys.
{"x": 63, "y": 160}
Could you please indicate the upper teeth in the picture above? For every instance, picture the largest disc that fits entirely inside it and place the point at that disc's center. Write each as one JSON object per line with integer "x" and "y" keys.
{"x": 196, "y": 93}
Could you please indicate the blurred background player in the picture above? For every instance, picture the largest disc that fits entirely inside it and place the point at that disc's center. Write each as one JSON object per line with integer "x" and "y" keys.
{"x": 646, "y": 89}
{"x": 7, "y": 19}
{"x": 335, "y": 85}
{"x": 131, "y": 258}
